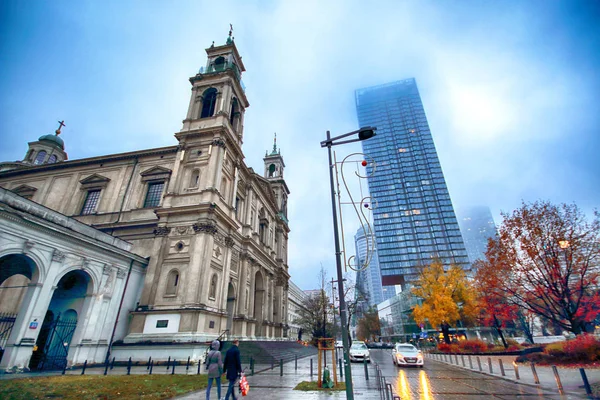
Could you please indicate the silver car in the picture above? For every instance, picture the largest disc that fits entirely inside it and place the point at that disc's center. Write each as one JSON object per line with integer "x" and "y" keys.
{"x": 406, "y": 354}
{"x": 359, "y": 352}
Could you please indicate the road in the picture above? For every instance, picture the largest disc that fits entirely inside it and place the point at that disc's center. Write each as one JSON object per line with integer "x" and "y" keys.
{"x": 441, "y": 381}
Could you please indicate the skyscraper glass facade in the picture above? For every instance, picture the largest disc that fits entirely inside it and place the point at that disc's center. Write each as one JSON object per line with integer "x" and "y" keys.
{"x": 369, "y": 279}
{"x": 413, "y": 217}
{"x": 477, "y": 226}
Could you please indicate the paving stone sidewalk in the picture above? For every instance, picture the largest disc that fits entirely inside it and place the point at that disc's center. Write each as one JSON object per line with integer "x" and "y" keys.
{"x": 267, "y": 383}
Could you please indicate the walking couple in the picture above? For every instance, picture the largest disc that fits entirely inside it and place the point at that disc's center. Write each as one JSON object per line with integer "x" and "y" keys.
{"x": 232, "y": 367}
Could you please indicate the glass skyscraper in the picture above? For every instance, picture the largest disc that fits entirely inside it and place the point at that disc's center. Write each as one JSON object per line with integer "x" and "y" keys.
{"x": 477, "y": 226}
{"x": 413, "y": 216}
{"x": 369, "y": 279}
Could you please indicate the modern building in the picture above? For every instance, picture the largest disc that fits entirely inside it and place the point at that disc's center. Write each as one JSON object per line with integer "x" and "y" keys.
{"x": 368, "y": 280}
{"x": 191, "y": 238}
{"x": 477, "y": 226}
{"x": 296, "y": 303}
{"x": 414, "y": 220}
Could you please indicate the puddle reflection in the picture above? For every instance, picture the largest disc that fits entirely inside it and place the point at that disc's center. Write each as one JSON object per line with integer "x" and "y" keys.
{"x": 404, "y": 391}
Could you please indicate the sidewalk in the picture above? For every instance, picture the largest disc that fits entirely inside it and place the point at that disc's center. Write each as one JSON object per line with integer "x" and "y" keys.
{"x": 267, "y": 383}
{"x": 570, "y": 378}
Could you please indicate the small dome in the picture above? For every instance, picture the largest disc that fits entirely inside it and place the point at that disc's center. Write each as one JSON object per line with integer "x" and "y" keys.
{"x": 54, "y": 139}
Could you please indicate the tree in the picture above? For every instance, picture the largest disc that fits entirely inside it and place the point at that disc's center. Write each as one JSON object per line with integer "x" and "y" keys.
{"x": 545, "y": 261}
{"x": 369, "y": 327}
{"x": 447, "y": 298}
{"x": 314, "y": 311}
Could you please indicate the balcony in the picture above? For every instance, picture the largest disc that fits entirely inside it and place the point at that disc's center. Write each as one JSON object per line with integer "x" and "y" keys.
{"x": 216, "y": 68}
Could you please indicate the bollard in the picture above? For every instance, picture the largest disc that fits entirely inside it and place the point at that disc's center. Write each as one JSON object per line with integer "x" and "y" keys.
{"x": 490, "y": 365}
{"x": 173, "y": 370}
{"x": 341, "y": 369}
{"x": 281, "y": 367}
{"x": 296, "y": 362}
{"x": 199, "y": 365}
{"x": 151, "y": 366}
{"x": 187, "y": 367}
{"x": 366, "y": 370}
{"x": 83, "y": 369}
{"x": 311, "y": 368}
{"x": 516, "y": 370}
{"x": 462, "y": 357}
{"x": 470, "y": 362}
{"x": 106, "y": 365}
{"x": 479, "y": 363}
{"x": 535, "y": 375}
{"x": 168, "y": 362}
{"x": 558, "y": 382}
{"x": 456, "y": 358}
{"x": 112, "y": 364}
{"x": 148, "y": 366}
{"x": 501, "y": 367}
{"x": 389, "y": 391}
{"x": 64, "y": 368}
{"x": 272, "y": 363}
{"x": 129, "y": 366}
{"x": 586, "y": 383}
{"x": 252, "y": 365}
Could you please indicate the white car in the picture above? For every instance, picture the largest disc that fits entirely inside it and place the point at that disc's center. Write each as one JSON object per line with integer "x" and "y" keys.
{"x": 359, "y": 352}
{"x": 407, "y": 354}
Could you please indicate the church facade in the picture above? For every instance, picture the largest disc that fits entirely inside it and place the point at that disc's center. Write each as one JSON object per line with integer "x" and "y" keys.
{"x": 205, "y": 235}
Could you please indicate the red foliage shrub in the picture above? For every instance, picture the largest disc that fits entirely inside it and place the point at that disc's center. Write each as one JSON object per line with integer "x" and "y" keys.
{"x": 584, "y": 348}
{"x": 473, "y": 346}
{"x": 448, "y": 348}
{"x": 513, "y": 347}
{"x": 491, "y": 346}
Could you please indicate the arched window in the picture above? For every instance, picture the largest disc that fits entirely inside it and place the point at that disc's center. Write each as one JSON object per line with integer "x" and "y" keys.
{"x": 224, "y": 188}
{"x": 40, "y": 158}
{"x": 195, "y": 178}
{"x": 219, "y": 64}
{"x": 272, "y": 170}
{"x": 209, "y": 101}
{"x": 52, "y": 159}
{"x": 172, "y": 282}
{"x": 212, "y": 293}
{"x": 235, "y": 110}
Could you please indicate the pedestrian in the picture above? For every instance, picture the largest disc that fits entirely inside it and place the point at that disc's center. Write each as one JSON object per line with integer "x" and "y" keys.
{"x": 215, "y": 368}
{"x": 232, "y": 368}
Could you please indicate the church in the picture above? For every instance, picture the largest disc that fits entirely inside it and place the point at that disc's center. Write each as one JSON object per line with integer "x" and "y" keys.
{"x": 125, "y": 254}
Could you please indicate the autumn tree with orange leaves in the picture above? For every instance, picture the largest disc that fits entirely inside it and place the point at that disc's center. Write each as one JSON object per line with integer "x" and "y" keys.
{"x": 447, "y": 297}
{"x": 545, "y": 261}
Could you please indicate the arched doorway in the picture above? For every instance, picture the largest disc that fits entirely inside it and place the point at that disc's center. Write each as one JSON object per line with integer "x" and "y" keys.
{"x": 53, "y": 342}
{"x": 230, "y": 307}
{"x": 17, "y": 271}
{"x": 259, "y": 295}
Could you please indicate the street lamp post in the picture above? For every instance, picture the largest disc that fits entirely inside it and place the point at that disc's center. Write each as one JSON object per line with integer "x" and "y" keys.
{"x": 363, "y": 134}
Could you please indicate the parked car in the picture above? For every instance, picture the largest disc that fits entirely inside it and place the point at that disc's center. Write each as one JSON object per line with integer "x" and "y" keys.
{"x": 359, "y": 352}
{"x": 405, "y": 354}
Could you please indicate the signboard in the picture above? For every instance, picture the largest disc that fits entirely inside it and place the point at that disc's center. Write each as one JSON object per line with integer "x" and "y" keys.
{"x": 33, "y": 325}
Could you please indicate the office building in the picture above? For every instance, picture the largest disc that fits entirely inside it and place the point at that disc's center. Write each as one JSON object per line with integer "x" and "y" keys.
{"x": 477, "y": 226}
{"x": 413, "y": 218}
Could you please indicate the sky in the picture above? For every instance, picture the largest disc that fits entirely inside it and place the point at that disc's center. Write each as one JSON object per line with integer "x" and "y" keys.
{"x": 511, "y": 90}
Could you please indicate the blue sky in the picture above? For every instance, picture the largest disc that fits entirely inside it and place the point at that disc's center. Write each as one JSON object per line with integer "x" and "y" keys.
{"x": 511, "y": 89}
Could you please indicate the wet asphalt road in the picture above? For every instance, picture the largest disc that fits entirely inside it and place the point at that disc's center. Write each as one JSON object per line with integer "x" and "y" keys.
{"x": 441, "y": 381}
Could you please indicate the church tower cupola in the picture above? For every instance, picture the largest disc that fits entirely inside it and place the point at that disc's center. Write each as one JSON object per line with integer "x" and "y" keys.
{"x": 49, "y": 149}
{"x": 218, "y": 93}
{"x": 274, "y": 167}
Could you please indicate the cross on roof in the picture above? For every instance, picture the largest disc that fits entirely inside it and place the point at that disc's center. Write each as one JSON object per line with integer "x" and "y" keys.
{"x": 61, "y": 124}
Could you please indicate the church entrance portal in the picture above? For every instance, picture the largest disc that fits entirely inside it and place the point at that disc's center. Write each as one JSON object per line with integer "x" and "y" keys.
{"x": 53, "y": 342}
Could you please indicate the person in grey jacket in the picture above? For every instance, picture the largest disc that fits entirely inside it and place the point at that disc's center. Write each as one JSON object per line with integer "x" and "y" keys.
{"x": 215, "y": 368}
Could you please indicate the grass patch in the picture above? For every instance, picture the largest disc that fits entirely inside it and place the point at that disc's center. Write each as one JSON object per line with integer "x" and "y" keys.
{"x": 101, "y": 387}
{"x": 307, "y": 386}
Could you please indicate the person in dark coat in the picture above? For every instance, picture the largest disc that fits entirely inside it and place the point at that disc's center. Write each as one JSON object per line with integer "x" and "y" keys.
{"x": 215, "y": 368}
{"x": 232, "y": 366}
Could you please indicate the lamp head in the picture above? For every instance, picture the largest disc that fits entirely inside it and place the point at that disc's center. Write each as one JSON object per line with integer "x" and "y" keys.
{"x": 366, "y": 132}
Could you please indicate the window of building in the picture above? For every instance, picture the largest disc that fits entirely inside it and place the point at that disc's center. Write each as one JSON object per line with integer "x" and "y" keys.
{"x": 172, "y": 282}
{"x": 220, "y": 64}
{"x": 212, "y": 292}
{"x": 40, "y": 158}
{"x": 235, "y": 112}
{"x": 91, "y": 202}
{"x": 52, "y": 159}
{"x": 208, "y": 103}
{"x": 195, "y": 178}
{"x": 154, "y": 194}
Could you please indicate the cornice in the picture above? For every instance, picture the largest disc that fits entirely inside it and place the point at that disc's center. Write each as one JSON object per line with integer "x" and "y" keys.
{"x": 87, "y": 161}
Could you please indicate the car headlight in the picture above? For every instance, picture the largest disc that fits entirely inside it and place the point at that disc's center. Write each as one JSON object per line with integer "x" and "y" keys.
{"x": 420, "y": 356}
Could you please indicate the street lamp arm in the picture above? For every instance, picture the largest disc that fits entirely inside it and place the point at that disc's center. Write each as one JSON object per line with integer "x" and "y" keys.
{"x": 363, "y": 133}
